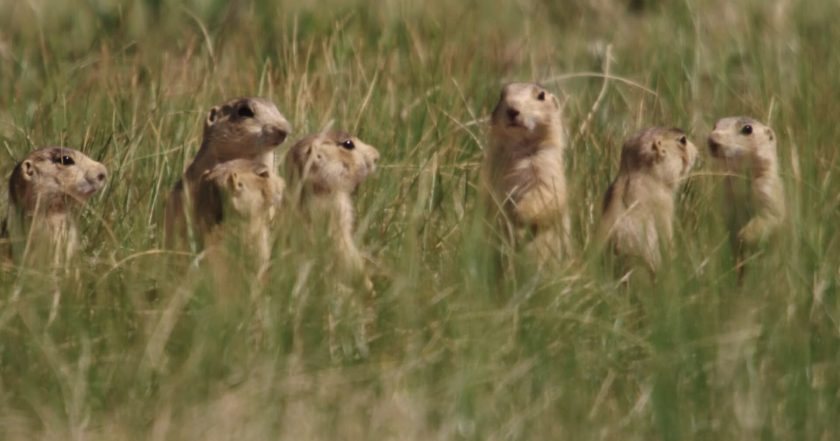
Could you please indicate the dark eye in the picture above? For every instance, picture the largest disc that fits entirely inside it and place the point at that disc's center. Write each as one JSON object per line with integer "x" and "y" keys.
{"x": 541, "y": 96}
{"x": 348, "y": 144}
{"x": 746, "y": 130}
{"x": 683, "y": 141}
{"x": 63, "y": 160}
{"x": 245, "y": 112}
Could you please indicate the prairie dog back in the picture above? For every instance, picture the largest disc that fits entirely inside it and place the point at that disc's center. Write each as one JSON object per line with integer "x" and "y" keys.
{"x": 238, "y": 190}
{"x": 236, "y": 202}
{"x": 324, "y": 170}
{"x": 638, "y": 211}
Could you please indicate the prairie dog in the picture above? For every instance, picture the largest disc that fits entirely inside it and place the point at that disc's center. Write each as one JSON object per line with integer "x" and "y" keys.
{"x": 238, "y": 197}
{"x": 242, "y": 128}
{"x": 44, "y": 191}
{"x": 747, "y": 148}
{"x": 523, "y": 169}
{"x": 325, "y": 169}
{"x": 638, "y": 211}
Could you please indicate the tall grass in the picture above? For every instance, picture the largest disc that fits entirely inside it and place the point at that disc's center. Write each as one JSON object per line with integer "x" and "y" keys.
{"x": 133, "y": 342}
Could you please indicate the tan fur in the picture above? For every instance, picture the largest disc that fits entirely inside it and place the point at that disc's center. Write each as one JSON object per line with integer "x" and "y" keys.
{"x": 746, "y": 148}
{"x": 242, "y": 128}
{"x": 238, "y": 197}
{"x": 523, "y": 171}
{"x": 44, "y": 190}
{"x": 638, "y": 214}
{"x": 325, "y": 169}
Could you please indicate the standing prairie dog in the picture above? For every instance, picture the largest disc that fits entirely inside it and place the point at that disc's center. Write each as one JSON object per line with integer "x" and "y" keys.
{"x": 235, "y": 204}
{"x": 44, "y": 191}
{"x": 523, "y": 170}
{"x": 238, "y": 197}
{"x": 638, "y": 215}
{"x": 242, "y": 128}
{"x": 325, "y": 169}
{"x": 747, "y": 148}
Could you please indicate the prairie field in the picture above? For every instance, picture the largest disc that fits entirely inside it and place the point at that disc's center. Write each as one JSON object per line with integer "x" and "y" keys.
{"x": 462, "y": 338}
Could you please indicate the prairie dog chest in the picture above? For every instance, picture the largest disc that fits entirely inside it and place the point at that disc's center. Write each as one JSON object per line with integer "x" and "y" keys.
{"x": 540, "y": 168}
{"x": 738, "y": 200}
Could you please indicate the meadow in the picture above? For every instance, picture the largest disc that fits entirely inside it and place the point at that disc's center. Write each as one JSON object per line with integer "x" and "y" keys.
{"x": 133, "y": 341}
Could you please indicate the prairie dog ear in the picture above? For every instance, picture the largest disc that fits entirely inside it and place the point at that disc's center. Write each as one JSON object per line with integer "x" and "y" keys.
{"x": 304, "y": 156}
{"x": 555, "y": 101}
{"x": 234, "y": 182}
{"x": 277, "y": 196}
{"x": 657, "y": 150}
{"x": 212, "y": 116}
{"x": 770, "y": 134}
{"x": 28, "y": 170}
{"x": 654, "y": 147}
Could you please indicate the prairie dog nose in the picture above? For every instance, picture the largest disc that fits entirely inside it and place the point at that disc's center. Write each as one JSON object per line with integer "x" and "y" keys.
{"x": 98, "y": 175}
{"x": 276, "y": 132}
{"x": 713, "y": 146}
{"x": 512, "y": 113}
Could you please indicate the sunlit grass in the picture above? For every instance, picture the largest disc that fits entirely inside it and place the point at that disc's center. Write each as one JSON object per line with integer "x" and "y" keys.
{"x": 469, "y": 342}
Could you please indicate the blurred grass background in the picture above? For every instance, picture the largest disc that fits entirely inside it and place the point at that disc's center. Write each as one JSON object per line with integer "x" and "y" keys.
{"x": 136, "y": 343}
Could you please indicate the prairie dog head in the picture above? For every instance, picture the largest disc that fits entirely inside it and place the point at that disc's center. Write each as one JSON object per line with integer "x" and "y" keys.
{"x": 330, "y": 162}
{"x": 53, "y": 176}
{"x": 664, "y": 153}
{"x": 739, "y": 140}
{"x": 245, "y": 128}
{"x": 526, "y": 111}
{"x": 242, "y": 188}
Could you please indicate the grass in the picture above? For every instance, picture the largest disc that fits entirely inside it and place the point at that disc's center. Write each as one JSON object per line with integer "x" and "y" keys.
{"x": 137, "y": 343}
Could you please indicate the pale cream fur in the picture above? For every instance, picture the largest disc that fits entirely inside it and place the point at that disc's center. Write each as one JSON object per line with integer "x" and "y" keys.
{"x": 236, "y": 202}
{"x": 324, "y": 170}
{"x": 746, "y": 150}
{"x": 638, "y": 216}
{"x": 242, "y": 128}
{"x": 523, "y": 172}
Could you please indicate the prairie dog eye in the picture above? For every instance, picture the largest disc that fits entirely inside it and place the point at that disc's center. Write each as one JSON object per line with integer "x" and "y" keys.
{"x": 541, "y": 96}
{"x": 244, "y": 111}
{"x": 747, "y": 130}
{"x": 348, "y": 144}
{"x": 263, "y": 174}
{"x": 683, "y": 141}
{"x": 63, "y": 160}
